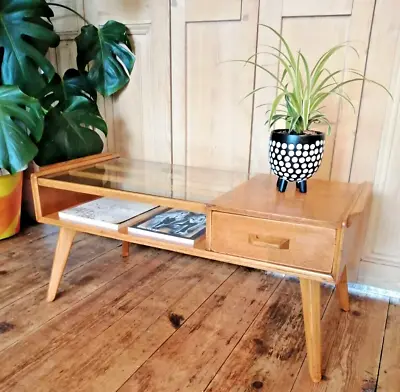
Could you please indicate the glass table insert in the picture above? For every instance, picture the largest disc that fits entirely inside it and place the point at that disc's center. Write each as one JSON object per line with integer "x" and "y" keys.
{"x": 117, "y": 177}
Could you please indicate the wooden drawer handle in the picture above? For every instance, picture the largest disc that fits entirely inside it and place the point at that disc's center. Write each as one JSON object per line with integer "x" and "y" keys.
{"x": 269, "y": 241}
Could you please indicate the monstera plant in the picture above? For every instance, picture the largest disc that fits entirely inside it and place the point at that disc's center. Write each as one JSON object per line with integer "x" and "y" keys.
{"x": 46, "y": 117}
{"x": 72, "y": 121}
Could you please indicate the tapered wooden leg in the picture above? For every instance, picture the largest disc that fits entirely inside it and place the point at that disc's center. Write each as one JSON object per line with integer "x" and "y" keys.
{"x": 311, "y": 295}
{"x": 342, "y": 291}
{"x": 125, "y": 249}
{"x": 64, "y": 243}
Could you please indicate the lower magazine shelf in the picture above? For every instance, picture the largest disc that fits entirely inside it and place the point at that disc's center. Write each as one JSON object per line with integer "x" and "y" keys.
{"x": 199, "y": 249}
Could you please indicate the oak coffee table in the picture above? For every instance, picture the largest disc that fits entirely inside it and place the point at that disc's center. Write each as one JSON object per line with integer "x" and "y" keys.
{"x": 313, "y": 236}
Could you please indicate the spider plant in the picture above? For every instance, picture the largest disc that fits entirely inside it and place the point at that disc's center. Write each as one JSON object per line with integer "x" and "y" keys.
{"x": 302, "y": 90}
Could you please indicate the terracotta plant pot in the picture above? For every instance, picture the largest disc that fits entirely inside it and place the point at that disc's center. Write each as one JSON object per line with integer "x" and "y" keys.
{"x": 295, "y": 158}
{"x": 10, "y": 204}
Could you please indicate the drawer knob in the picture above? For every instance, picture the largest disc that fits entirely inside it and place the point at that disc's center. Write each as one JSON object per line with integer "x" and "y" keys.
{"x": 268, "y": 241}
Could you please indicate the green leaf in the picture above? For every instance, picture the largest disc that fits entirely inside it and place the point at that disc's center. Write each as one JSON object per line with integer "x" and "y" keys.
{"x": 274, "y": 106}
{"x": 326, "y": 122}
{"x": 277, "y": 50}
{"x": 109, "y": 51}
{"x": 322, "y": 85}
{"x": 264, "y": 69}
{"x": 293, "y": 123}
{"x": 258, "y": 89}
{"x": 25, "y": 37}
{"x": 319, "y": 66}
{"x": 289, "y": 107}
{"x": 276, "y": 118}
{"x": 69, "y": 131}
{"x": 307, "y": 93}
{"x": 284, "y": 73}
{"x": 288, "y": 69}
{"x": 316, "y": 118}
{"x": 296, "y": 105}
{"x": 298, "y": 82}
{"x": 73, "y": 84}
{"x": 318, "y": 99}
{"x": 361, "y": 79}
{"x": 287, "y": 47}
{"x": 21, "y": 125}
{"x": 341, "y": 95}
{"x": 73, "y": 115}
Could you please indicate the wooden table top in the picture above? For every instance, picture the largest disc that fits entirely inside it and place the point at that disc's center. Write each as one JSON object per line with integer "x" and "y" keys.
{"x": 326, "y": 203}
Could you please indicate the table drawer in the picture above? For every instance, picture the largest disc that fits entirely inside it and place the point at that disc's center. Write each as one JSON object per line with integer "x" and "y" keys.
{"x": 296, "y": 245}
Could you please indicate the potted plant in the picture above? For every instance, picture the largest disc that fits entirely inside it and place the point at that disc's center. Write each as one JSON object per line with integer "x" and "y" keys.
{"x": 295, "y": 152}
{"x": 72, "y": 122}
{"x": 21, "y": 127}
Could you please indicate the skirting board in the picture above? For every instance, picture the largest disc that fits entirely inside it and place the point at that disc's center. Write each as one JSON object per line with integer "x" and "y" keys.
{"x": 363, "y": 289}
{"x": 374, "y": 292}
{"x": 380, "y": 277}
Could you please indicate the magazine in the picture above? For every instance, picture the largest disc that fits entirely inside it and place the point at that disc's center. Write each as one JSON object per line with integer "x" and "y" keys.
{"x": 183, "y": 227}
{"x": 105, "y": 212}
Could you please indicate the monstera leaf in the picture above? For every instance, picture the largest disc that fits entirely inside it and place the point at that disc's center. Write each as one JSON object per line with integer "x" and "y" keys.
{"x": 21, "y": 126}
{"x": 72, "y": 120}
{"x": 109, "y": 51}
{"x": 73, "y": 84}
{"x": 25, "y": 38}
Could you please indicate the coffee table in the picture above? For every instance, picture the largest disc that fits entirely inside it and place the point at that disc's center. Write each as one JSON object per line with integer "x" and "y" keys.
{"x": 313, "y": 236}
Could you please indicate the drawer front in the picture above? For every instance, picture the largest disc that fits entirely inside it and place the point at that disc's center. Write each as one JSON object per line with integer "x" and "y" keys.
{"x": 301, "y": 246}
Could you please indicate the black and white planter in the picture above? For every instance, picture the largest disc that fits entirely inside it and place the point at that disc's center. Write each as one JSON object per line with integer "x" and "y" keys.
{"x": 295, "y": 158}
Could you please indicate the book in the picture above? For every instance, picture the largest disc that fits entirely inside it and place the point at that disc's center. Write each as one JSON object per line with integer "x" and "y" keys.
{"x": 105, "y": 212}
{"x": 179, "y": 226}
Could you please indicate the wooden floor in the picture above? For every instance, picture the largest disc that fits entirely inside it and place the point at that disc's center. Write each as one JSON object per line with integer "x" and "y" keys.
{"x": 159, "y": 321}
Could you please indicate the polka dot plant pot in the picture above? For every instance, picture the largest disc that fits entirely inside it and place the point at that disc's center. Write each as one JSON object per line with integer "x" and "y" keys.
{"x": 295, "y": 158}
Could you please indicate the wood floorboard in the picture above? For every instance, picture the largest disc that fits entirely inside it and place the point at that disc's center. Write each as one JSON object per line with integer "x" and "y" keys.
{"x": 76, "y": 285}
{"x": 85, "y": 321}
{"x": 100, "y": 366}
{"x": 190, "y": 358}
{"x": 159, "y": 321}
{"x": 28, "y": 235}
{"x": 35, "y": 272}
{"x": 389, "y": 372}
{"x": 352, "y": 344}
{"x": 272, "y": 351}
{"x": 17, "y": 257}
